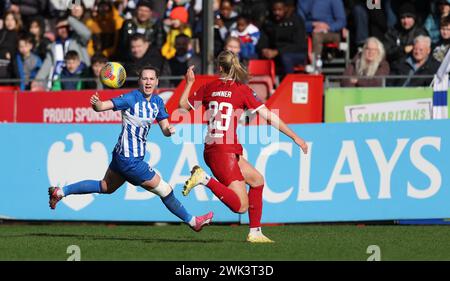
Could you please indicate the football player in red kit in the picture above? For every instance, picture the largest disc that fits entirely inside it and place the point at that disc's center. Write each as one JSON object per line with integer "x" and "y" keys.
{"x": 226, "y": 99}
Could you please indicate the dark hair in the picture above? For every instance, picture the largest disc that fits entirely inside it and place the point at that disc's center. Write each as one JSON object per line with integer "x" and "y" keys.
{"x": 445, "y": 21}
{"x": 229, "y": 1}
{"x": 145, "y": 3}
{"x": 243, "y": 17}
{"x": 27, "y": 37}
{"x": 149, "y": 67}
{"x": 98, "y": 58}
{"x": 182, "y": 35}
{"x": 40, "y": 22}
{"x": 105, "y": 2}
{"x": 71, "y": 55}
{"x": 278, "y": 1}
{"x": 79, "y": 3}
{"x": 138, "y": 36}
{"x": 60, "y": 19}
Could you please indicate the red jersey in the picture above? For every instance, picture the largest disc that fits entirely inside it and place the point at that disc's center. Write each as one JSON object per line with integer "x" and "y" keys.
{"x": 225, "y": 102}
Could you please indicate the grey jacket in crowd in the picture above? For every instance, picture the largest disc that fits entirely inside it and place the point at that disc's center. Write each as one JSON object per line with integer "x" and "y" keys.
{"x": 80, "y": 36}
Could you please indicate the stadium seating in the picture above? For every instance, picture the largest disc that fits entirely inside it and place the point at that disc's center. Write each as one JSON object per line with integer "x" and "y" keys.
{"x": 261, "y": 88}
{"x": 333, "y": 65}
{"x": 262, "y": 68}
{"x": 263, "y": 78}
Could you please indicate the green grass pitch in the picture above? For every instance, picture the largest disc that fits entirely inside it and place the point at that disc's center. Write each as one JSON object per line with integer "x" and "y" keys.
{"x": 222, "y": 242}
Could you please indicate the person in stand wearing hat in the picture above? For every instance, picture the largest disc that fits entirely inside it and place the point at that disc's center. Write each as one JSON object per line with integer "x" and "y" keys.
{"x": 144, "y": 22}
{"x": 176, "y": 24}
{"x": 399, "y": 40}
{"x": 71, "y": 35}
{"x": 439, "y": 10}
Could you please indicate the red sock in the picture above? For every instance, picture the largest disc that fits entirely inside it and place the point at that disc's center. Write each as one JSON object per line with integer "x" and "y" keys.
{"x": 226, "y": 195}
{"x": 255, "y": 205}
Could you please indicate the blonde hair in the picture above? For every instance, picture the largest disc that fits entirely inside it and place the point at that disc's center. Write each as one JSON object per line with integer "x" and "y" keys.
{"x": 363, "y": 68}
{"x": 231, "y": 68}
{"x": 232, "y": 38}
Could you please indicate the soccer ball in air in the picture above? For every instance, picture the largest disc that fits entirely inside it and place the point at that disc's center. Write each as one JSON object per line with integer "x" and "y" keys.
{"x": 113, "y": 75}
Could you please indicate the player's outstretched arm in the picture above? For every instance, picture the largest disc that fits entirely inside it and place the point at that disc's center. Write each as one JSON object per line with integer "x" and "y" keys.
{"x": 190, "y": 79}
{"x": 99, "y": 105}
{"x": 276, "y": 122}
{"x": 166, "y": 128}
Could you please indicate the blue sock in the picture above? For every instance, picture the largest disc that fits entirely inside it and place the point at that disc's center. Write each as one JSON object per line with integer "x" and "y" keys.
{"x": 83, "y": 187}
{"x": 176, "y": 207}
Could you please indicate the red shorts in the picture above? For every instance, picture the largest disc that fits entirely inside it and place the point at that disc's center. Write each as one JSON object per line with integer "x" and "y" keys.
{"x": 224, "y": 166}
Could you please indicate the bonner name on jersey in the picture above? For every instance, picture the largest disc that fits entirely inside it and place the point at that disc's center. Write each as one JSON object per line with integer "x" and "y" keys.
{"x": 223, "y": 94}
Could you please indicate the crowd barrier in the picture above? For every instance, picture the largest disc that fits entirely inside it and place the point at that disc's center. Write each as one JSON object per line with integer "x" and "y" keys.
{"x": 58, "y": 106}
{"x": 353, "y": 172}
{"x": 8, "y": 106}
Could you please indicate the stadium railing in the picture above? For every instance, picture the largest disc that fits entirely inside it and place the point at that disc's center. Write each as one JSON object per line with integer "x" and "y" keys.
{"x": 7, "y": 83}
{"x": 335, "y": 80}
{"x": 11, "y": 84}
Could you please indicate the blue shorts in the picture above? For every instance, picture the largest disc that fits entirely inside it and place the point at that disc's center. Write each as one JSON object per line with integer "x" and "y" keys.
{"x": 134, "y": 169}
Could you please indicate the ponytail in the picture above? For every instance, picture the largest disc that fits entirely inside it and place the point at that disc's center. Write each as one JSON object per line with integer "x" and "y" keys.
{"x": 231, "y": 67}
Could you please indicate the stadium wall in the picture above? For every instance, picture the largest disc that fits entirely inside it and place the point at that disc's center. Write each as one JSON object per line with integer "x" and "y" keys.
{"x": 355, "y": 171}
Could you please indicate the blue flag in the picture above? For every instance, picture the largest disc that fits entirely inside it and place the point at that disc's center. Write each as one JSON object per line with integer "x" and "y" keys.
{"x": 440, "y": 89}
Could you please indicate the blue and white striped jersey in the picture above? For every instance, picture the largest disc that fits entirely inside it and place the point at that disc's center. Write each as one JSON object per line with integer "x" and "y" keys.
{"x": 138, "y": 115}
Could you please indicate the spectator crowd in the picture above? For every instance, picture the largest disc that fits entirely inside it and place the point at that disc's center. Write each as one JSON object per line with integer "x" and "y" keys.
{"x": 56, "y": 44}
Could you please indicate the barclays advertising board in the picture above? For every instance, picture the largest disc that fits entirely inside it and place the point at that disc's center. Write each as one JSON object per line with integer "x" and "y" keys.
{"x": 358, "y": 171}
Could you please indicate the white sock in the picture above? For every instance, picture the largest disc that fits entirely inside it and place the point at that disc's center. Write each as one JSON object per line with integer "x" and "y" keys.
{"x": 255, "y": 231}
{"x": 207, "y": 178}
{"x": 192, "y": 221}
{"x": 60, "y": 193}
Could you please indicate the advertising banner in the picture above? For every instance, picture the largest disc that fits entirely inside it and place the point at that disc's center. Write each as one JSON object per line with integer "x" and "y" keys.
{"x": 418, "y": 109}
{"x": 66, "y": 107}
{"x": 7, "y": 106}
{"x": 353, "y": 172}
{"x": 378, "y": 104}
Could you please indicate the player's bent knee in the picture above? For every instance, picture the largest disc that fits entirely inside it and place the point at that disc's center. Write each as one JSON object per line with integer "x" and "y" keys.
{"x": 104, "y": 187}
{"x": 259, "y": 180}
{"x": 163, "y": 189}
{"x": 243, "y": 209}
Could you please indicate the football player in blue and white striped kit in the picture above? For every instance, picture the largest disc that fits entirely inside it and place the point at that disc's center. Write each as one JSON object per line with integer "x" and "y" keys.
{"x": 139, "y": 109}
